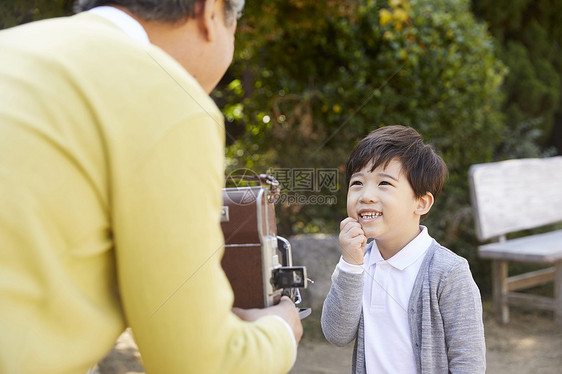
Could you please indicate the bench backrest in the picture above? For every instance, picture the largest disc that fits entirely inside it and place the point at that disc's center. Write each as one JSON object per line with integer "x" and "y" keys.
{"x": 514, "y": 195}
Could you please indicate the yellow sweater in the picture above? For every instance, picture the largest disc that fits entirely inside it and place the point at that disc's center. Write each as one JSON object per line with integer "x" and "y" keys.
{"x": 111, "y": 164}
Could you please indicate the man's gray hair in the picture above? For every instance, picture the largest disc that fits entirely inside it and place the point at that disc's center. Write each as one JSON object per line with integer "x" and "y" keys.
{"x": 163, "y": 10}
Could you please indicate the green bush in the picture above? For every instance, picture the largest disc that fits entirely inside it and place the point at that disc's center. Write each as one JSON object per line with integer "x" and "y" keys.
{"x": 528, "y": 35}
{"x": 17, "y": 12}
{"x": 319, "y": 75}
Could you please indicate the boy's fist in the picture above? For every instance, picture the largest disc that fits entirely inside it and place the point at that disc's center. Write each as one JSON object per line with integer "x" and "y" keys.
{"x": 352, "y": 241}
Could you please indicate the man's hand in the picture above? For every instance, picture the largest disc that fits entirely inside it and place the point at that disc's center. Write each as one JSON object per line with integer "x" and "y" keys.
{"x": 285, "y": 309}
{"x": 352, "y": 241}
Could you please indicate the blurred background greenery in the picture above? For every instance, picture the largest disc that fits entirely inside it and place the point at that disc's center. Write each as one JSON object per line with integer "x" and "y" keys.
{"x": 480, "y": 80}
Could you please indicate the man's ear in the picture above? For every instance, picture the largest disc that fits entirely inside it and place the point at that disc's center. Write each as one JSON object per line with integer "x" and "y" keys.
{"x": 424, "y": 204}
{"x": 208, "y": 13}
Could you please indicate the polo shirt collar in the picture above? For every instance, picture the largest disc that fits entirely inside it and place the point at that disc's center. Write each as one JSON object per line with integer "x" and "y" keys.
{"x": 122, "y": 20}
{"x": 407, "y": 255}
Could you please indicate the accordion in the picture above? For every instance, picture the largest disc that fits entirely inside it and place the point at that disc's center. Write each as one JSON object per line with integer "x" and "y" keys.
{"x": 258, "y": 262}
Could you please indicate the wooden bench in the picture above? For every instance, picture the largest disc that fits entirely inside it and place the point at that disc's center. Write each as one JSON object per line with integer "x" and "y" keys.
{"x": 511, "y": 196}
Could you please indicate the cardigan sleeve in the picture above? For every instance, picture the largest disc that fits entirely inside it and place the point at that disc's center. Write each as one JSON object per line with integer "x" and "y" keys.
{"x": 169, "y": 245}
{"x": 342, "y": 308}
{"x": 461, "y": 309}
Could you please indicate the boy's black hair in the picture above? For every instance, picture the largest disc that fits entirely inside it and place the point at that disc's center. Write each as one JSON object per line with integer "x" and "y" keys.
{"x": 424, "y": 169}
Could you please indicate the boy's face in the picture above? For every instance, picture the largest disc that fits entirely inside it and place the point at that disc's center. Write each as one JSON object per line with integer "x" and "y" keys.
{"x": 385, "y": 205}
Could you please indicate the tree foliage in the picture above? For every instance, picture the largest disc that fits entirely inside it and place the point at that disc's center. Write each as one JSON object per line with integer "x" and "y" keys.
{"x": 17, "y": 12}
{"x": 319, "y": 75}
{"x": 529, "y": 36}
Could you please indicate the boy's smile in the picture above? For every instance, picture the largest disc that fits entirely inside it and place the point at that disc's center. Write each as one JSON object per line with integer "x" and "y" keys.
{"x": 367, "y": 215}
{"x": 385, "y": 205}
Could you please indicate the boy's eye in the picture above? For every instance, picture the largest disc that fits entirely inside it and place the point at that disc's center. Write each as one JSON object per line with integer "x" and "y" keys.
{"x": 385, "y": 183}
{"x": 356, "y": 183}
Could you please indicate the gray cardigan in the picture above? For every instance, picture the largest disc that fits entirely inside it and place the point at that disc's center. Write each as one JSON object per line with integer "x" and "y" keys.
{"x": 445, "y": 315}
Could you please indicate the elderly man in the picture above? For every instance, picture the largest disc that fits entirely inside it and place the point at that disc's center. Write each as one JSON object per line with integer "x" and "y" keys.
{"x": 111, "y": 165}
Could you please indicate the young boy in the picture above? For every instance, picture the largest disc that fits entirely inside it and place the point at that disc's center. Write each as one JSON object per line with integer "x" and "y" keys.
{"x": 411, "y": 305}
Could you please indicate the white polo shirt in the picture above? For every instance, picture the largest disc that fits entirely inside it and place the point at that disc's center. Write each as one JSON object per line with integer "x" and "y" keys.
{"x": 387, "y": 287}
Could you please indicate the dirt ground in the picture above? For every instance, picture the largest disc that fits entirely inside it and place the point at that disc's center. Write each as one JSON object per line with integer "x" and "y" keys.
{"x": 529, "y": 344}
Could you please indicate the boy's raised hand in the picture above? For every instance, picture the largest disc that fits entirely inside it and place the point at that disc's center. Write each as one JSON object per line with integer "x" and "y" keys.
{"x": 352, "y": 241}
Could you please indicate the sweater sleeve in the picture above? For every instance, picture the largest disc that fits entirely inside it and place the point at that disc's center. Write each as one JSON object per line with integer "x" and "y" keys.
{"x": 169, "y": 245}
{"x": 342, "y": 308}
{"x": 461, "y": 309}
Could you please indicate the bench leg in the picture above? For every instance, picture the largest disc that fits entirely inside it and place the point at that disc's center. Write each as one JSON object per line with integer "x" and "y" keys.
{"x": 499, "y": 291}
{"x": 558, "y": 293}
